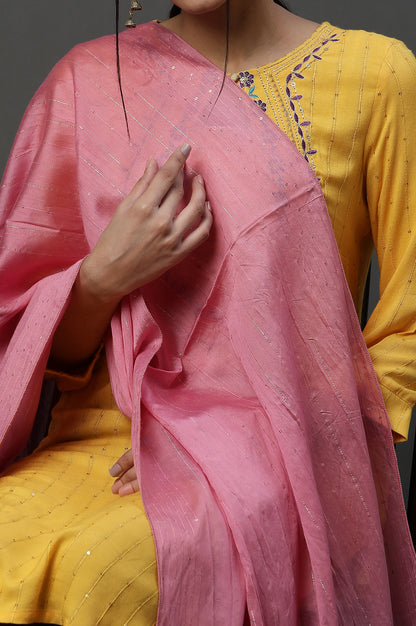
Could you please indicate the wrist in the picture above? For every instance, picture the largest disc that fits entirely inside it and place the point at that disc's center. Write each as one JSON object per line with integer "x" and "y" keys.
{"x": 93, "y": 287}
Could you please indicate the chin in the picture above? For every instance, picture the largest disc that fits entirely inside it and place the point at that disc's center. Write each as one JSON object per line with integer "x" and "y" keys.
{"x": 196, "y": 7}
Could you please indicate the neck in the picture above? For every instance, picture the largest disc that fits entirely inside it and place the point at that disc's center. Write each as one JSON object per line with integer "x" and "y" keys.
{"x": 259, "y": 33}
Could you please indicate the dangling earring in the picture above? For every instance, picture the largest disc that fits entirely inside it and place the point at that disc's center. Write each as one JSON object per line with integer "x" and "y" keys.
{"x": 134, "y": 6}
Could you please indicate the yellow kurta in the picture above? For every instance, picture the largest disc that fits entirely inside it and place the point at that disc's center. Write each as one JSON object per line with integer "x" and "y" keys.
{"x": 350, "y": 97}
{"x": 73, "y": 553}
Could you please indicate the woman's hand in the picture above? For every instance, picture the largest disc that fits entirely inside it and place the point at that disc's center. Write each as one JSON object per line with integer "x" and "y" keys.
{"x": 144, "y": 238}
{"x": 125, "y": 472}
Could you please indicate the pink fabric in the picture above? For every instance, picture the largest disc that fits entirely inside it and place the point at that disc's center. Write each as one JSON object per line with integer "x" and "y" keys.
{"x": 265, "y": 455}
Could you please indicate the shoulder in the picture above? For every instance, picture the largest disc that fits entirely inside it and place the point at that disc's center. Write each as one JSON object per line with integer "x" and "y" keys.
{"x": 101, "y": 52}
{"x": 97, "y": 58}
{"x": 90, "y": 55}
{"x": 375, "y": 42}
{"x": 375, "y": 57}
{"x": 88, "y": 67}
{"x": 368, "y": 69}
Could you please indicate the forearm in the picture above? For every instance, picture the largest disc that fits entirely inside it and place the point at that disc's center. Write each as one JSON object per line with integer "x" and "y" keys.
{"x": 142, "y": 240}
{"x": 83, "y": 325}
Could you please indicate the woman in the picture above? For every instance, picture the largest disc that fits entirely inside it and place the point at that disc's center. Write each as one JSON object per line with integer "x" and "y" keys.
{"x": 261, "y": 448}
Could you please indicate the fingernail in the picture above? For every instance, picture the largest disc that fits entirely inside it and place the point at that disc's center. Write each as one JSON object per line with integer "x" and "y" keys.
{"x": 208, "y": 205}
{"x": 126, "y": 490}
{"x": 186, "y": 149}
{"x": 115, "y": 470}
{"x": 200, "y": 179}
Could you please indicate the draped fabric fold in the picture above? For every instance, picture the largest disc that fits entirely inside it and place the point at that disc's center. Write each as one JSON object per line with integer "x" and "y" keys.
{"x": 259, "y": 433}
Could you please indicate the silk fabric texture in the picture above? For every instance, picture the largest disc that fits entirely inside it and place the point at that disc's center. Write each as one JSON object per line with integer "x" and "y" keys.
{"x": 260, "y": 438}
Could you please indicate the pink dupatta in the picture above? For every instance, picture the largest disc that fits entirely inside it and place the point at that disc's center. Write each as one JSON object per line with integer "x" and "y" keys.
{"x": 259, "y": 433}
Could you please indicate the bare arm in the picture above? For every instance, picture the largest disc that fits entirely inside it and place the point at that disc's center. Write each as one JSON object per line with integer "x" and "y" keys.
{"x": 140, "y": 243}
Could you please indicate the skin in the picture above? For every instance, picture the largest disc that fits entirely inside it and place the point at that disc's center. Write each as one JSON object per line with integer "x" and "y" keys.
{"x": 140, "y": 243}
{"x": 260, "y": 31}
{"x": 143, "y": 240}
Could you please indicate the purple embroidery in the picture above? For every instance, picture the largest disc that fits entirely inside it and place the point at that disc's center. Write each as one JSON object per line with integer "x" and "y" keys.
{"x": 245, "y": 79}
{"x": 295, "y": 99}
{"x": 261, "y": 104}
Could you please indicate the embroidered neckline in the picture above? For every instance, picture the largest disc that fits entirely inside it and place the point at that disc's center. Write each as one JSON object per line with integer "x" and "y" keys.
{"x": 319, "y": 38}
{"x": 322, "y": 32}
{"x": 295, "y": 98}
{"x": 310, "y": 51}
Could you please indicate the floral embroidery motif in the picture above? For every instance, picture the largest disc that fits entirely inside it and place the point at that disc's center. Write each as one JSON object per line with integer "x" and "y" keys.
{"x": 246, "y": 80}
{"x": 261, "y": 104}
{"x": 295, "y": 98}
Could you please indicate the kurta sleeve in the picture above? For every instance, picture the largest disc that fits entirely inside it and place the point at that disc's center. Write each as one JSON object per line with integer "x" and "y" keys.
{"x": 391, "y": 194}
{"x": 75, "y": 379}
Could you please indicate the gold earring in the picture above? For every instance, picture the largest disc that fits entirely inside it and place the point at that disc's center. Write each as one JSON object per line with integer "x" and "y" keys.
{"x": 134, "y": 6}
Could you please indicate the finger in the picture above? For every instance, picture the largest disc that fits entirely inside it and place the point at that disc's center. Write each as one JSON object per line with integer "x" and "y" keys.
{"x": 166, "y": 176}
{"x": 115, "y": 488}
{"x": 169, "y": 205}
{"x": 145, "y": 180}
{"x": 195, "y": 208}
{"x": 129, "y": 477}
{"x": 124, "y": 463}
{"x": 200, "y": 234}
{"x": 126, "y": 477}
{"x": 129, "y": 488}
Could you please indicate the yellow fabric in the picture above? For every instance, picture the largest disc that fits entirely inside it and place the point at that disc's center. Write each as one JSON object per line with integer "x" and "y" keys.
{"x": 69, "y": 381}
{"x": 359, "y": 95}
{"x": 73, "y": 553}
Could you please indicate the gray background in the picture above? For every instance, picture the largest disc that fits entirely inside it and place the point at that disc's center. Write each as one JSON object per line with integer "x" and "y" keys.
{"x": 34, "y": 35}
